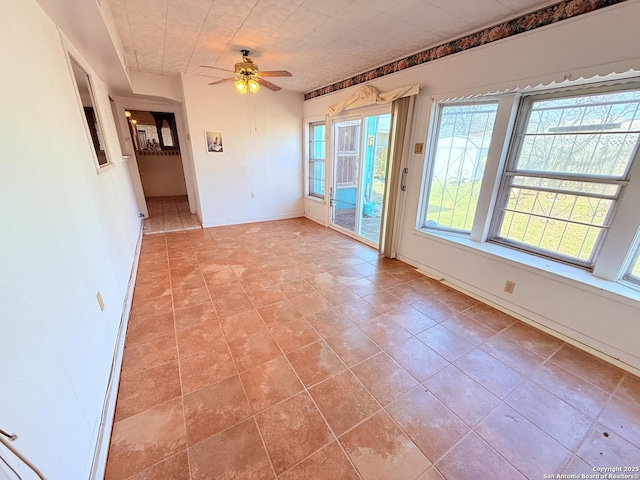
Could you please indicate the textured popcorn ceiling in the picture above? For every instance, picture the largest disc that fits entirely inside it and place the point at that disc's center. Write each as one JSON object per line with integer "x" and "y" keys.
{"x": 318, "y": 41}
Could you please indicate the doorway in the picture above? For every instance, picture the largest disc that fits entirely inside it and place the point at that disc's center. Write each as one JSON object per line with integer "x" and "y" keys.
{"x": 359, "y": 162}
{"x": 156, "y": 147}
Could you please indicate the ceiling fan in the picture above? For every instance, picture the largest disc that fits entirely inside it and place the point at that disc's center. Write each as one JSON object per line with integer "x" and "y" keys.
{"x": 247, "y": 76}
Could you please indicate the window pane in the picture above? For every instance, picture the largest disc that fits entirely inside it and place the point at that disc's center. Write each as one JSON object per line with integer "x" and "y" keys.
{"x": 556, "y": 237}
{"x": 316, "y": 159}
{"x": 318, "y": 150}
{"x": 562, "y": 208}
{"x": 568, "y": 225}
{"x": 347, "y": 145}
{"x": 634, "y": 272}
{"x": 564, "y": 135}
{"x": 571, "y": 154}
{"x": 458, "y": 163}
{"x": 316, "y": 178}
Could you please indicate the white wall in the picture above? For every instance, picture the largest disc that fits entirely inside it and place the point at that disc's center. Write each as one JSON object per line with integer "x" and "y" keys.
{"x": 67, "y": 233}
{"x": 592, "y": 316}
{"x": 160, "y": 86}
{"x": 262, "y": 140}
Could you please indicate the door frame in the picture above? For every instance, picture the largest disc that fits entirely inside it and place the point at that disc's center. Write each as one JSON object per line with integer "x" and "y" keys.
{"x": 127, "y": 103}
{"x": 356, "y": 114}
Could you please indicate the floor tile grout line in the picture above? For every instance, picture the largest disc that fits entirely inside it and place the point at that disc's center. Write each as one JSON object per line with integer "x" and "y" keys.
{"x": 237, "y": 373}
{"x": 165, "y": 363}
{"x": 306, "y": 390}
{"x": 353, "y": 427}
{"x": 175, "y": 332}
{"x": 502, "y": 401}
{"x": 595, "y": 422}
{"x": 187, "y": 443}
{"x": 485, "y": 440}
{"x": 548, "y": 361}
{"x": 382, "y": 350}
{"x": 158, "y": 463}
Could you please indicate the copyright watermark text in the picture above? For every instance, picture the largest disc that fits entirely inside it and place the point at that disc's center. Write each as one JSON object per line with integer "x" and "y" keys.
{"x": 600, "y": 473}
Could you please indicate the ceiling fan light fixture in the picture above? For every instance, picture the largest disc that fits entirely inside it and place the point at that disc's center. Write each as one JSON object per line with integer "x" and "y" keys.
{"x": 241, "y": 85}
{"x": 247, "y": 77}
{"x": 254, "y": 86}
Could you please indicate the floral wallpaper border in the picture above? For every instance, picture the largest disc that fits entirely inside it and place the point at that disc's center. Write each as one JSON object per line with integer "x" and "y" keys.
{"x": 539, "y": 18}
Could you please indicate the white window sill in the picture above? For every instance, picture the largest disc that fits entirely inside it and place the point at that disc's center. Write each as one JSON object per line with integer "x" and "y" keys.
{"x": 105, "y": 168}
{"x": 573, "y": 276}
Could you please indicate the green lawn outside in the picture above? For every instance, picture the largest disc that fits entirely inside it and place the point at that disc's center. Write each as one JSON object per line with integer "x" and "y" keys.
{"x": 453, "y": 206}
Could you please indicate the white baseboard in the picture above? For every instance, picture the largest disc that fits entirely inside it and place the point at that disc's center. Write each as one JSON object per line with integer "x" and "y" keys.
{"x": 606, "y": 352}
{"x": 99, "y": 464}
{"x": 319, "y": 222}
{"x": 284, "y": 216}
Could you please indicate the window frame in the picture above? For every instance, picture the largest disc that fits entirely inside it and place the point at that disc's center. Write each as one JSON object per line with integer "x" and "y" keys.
{"x": 311, "y": 161}
{"x": 75, "y": 60}
{"x": 509, "y": 172}
{"x": 435, "y": 125}
{"x": 627, "y": 276}
{"x": 611, "y": 263}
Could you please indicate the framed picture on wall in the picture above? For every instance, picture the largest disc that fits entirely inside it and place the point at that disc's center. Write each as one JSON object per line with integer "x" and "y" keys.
{"x": 214, "y": 141}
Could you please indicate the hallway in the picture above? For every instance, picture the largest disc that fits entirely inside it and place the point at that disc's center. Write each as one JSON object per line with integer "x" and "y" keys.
{"x": 286, "y": 350}
{"x": 169, "y": 214}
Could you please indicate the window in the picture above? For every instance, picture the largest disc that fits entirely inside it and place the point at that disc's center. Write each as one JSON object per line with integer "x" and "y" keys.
{"x": 633, "y": 274}
{"x": 85, "y": 93}
{"x": 347, "y": 151}
{"x": 317, "y": 155}
{"x": 457, "y": 165}
{"x": 569, "y": 162}
{"x": 557, "y": 182}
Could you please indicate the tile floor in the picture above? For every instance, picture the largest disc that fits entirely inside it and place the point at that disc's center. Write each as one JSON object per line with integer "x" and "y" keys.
{"x": 286, "y": 350}
{"x": 369, "y": 226}
{"x": 169, "y": 214}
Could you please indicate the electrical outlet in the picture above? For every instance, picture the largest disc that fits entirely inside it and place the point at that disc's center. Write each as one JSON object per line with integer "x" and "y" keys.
{"x": 509, "y": 286}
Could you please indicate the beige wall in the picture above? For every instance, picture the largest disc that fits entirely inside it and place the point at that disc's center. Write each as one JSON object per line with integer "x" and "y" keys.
{"x": 161, "y": 174}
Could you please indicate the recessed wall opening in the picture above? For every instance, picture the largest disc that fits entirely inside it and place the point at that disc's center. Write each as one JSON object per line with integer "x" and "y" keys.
{"x": 157, "y": 150}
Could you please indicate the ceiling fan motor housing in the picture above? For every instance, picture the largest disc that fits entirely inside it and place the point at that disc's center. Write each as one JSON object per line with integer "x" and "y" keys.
{"x": 246, "y": 68}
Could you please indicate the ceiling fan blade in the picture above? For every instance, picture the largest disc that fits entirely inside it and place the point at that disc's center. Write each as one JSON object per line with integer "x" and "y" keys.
{"x": 230, "y": 79}
{"x": 275, "y": 73}
{"x": 269, "y": 85}
{"x": 216, "y": 68}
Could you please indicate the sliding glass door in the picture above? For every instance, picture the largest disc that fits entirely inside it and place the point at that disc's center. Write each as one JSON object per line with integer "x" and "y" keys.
{"x": 359, "y": 161}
